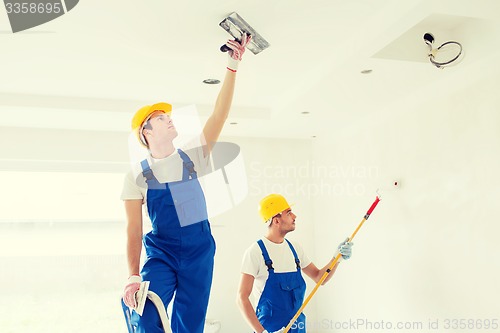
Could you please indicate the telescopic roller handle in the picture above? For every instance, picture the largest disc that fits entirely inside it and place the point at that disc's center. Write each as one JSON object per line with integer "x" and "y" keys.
{"x": 334, "y": 262}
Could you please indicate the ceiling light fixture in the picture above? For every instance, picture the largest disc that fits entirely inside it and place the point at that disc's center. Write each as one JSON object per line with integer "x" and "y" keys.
{"x": 429, "y": 39}
{"x": 211, "y": 81}
{"x": 366, "y": 71}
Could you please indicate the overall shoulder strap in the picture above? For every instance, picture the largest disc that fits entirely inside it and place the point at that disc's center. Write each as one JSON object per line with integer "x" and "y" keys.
{"x": 188, "y": 166}
{"x": 297, "y": 261}
{"x": 151, "y": 180}
{"x": 267, "y": 259}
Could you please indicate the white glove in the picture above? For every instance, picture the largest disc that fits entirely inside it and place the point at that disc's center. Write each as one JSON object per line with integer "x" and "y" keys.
{"x": 345, "y": 249}
{"x": 134, "y": 283}
{"x": 281, "y": 330}
{"x": 236, "y": 51}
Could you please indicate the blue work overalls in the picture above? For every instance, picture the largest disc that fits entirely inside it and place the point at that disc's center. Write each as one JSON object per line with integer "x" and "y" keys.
{"x": 282, "y": 296}
{"x": 180, "y": 252}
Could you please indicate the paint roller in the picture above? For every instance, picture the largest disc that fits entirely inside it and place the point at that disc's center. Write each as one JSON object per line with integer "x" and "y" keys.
{"x": 236, "y": 26}
{"x": 334, "y": 262}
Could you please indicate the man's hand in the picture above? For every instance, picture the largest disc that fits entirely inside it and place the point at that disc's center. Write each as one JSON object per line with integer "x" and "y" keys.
{"x": 345, "y": 249}
{"x": 134, "y": 283}
{"x": 236, "y": 51}
{"x": 281, "y": 330}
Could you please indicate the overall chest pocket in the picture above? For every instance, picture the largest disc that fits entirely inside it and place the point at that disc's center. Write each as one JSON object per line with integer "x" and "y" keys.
{"x": 188, "y": 201}
{"x": 293, "y": 287}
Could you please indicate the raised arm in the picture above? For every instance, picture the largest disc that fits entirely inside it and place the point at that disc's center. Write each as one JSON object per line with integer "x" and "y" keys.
{"x": 315, "y": 273}
{"x": 215, "y": 122}
{"x": 344, "y": 248}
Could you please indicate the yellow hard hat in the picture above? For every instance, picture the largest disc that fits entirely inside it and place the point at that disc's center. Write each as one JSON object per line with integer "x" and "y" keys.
{"x": 143, "y": 114}
{"x": 272, "y": 205}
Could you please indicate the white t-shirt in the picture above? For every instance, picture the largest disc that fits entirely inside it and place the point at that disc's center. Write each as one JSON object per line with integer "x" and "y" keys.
{"x": 166, "y": 170}
{"x": 283, "y": 261}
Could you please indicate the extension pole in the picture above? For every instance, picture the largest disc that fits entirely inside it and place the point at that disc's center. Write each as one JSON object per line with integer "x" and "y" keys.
{"x": 329, "y": 269}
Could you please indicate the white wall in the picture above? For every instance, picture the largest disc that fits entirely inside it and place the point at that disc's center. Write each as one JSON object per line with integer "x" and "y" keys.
{"x": 63, "y": 229}
{"x": 427, "y": 253}
{"x": 271, "y": 166}
{"x": 430, "y": 249}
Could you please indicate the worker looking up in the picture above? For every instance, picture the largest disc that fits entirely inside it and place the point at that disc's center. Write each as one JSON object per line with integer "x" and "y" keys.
{"x": 272, "y": 268}
{"x": 180, "y": 248}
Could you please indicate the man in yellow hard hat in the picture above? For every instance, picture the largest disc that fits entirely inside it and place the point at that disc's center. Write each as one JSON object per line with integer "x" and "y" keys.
{"x": 180, "y": 248}
{"x": 272, "y": 268}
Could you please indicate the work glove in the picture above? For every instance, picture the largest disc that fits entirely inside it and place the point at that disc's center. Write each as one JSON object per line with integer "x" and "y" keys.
{"x": 132, "y": 287}
{"x": 236, "y": 51}
{"x": 345, "y": 249}
{"x": 281, "y": 330}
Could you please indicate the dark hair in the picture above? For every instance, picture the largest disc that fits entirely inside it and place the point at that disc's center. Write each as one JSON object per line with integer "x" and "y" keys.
{"x": 147, "y": 125}
{"x": 272, "y": 218}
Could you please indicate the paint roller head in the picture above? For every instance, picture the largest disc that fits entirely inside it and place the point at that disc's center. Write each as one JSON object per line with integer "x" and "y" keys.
{"x": 236, "y": 26}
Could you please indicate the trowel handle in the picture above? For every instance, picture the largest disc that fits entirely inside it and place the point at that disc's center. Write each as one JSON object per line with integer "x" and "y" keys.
{"x": 224, "y": 48}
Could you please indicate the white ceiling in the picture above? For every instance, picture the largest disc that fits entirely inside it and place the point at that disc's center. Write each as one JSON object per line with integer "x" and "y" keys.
{"x": 107, "y": 58}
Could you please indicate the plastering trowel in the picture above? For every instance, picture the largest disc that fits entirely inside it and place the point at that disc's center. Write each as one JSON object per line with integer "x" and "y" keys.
{"x": 236, "y": 26}
{"x": 141, "y": 296}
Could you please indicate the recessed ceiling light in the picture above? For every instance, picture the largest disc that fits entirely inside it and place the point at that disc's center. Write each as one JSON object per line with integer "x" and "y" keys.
{"x": 233, "y": 123}
{"x": 305, "y": 112}
{"x": 366, "y": 71}
{"x": 314, "y": 136}
{"x": 211, "y": 81}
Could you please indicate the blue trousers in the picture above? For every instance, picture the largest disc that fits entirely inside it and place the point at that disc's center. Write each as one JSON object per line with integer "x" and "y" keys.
{"x": 179, "y": 267}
